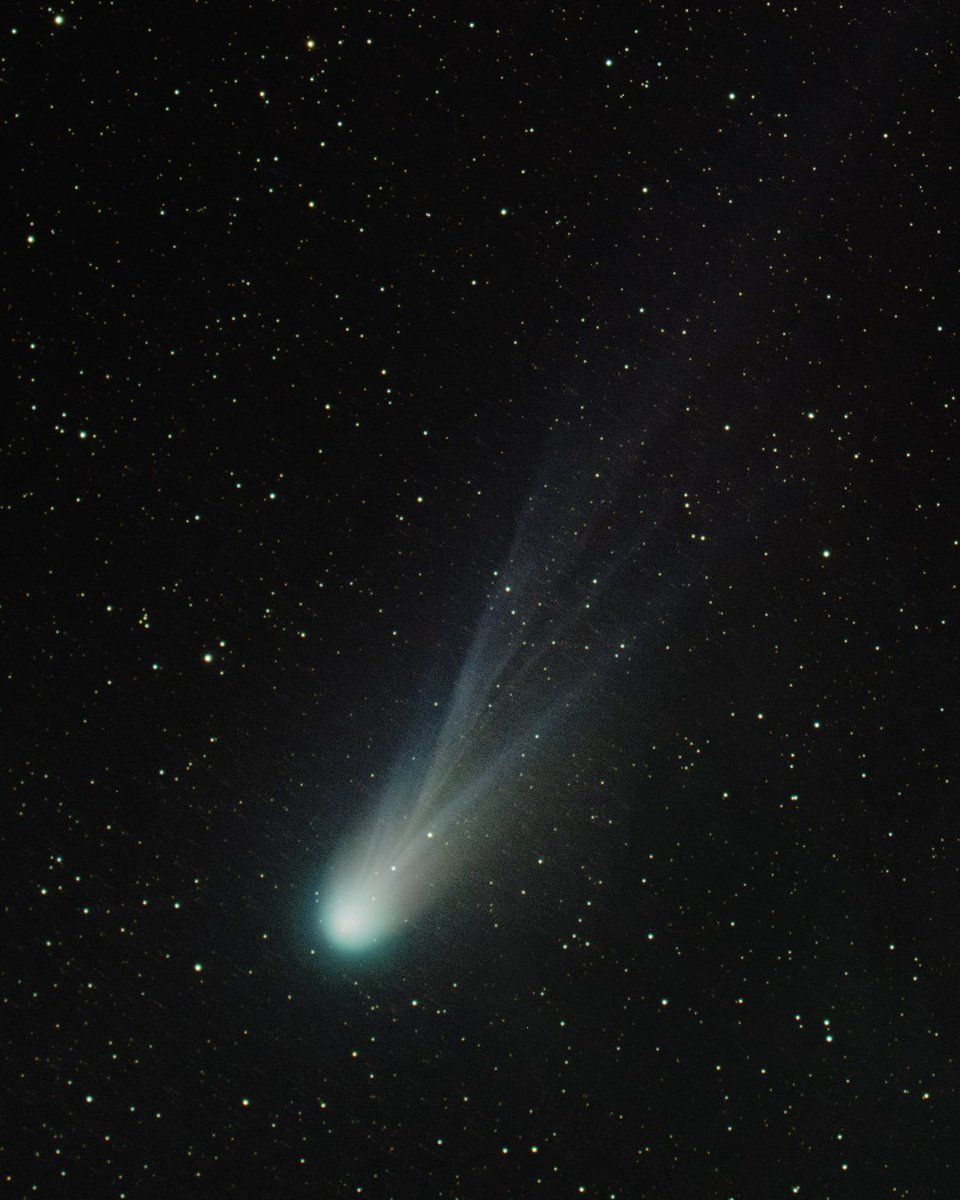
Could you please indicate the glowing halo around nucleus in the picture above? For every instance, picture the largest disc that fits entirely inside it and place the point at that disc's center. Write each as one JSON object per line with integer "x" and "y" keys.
{"x": 376, "y": 890}
{"x": 354, "y": 920}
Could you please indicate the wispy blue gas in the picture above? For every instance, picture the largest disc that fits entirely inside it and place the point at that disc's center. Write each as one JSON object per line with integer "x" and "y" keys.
{"x": 538, "y": 652}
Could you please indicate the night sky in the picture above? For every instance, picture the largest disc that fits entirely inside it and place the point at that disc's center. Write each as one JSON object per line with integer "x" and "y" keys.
{"x": 557, "y": 399}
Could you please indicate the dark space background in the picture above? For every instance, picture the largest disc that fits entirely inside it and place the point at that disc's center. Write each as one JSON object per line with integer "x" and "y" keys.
{"x": 298, "y": 300}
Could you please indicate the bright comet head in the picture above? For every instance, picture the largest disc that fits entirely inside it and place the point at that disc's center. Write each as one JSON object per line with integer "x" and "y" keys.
{"x": 355, "y": 919}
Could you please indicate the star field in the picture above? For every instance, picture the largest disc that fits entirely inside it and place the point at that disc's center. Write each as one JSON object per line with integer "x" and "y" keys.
{"x": 511, "y": 452}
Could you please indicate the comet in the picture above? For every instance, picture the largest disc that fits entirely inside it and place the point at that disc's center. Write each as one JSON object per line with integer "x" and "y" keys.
{"x": 537, "y": 655}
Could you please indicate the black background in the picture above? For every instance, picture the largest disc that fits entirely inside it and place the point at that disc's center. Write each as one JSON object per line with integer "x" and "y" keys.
{"x": 301, "y": 302}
